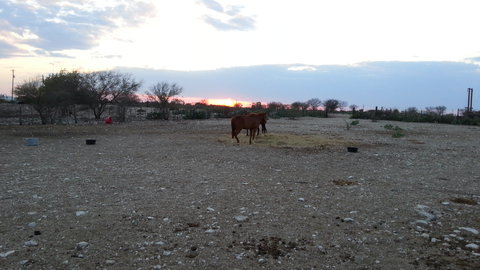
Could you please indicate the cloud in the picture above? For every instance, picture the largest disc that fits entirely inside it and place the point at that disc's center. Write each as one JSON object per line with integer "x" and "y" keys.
{"x": 7, "y": 49}
{"x": 54, "y": 25}
{"x": 236, "y": 23}
{"x": 302, "y": 68}
{"x": 227, "y": 19}
{"x": 212, "y": 4}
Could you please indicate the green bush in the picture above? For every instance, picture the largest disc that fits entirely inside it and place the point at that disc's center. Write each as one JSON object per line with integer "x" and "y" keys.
{"x": 196, "y": 114}
{"x": 156, "y": 116}
{"x": 397, "y": 131}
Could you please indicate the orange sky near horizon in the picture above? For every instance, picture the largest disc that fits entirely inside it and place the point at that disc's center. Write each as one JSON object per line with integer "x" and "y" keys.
{"x": 230, "y": 102}
{"x": 227, "y": 102}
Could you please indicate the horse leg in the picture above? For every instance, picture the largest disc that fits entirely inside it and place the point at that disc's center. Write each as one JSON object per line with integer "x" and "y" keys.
{"x": 252, "y": 135}
{"x": 236, "y": 133}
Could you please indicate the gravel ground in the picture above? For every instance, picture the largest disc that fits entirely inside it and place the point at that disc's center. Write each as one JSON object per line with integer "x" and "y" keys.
{"x": 184, "y": 195}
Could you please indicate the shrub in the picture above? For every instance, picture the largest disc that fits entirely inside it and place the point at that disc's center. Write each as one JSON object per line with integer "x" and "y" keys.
{"x": 196, "y": 114}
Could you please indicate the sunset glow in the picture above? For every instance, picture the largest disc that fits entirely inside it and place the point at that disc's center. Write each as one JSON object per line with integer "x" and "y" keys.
{"x": 227, "y": 102}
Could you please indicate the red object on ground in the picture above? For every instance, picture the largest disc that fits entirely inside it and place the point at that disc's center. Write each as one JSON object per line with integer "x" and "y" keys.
{"x": 108, "y": 120}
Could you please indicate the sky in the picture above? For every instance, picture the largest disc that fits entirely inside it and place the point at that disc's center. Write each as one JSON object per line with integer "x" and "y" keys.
{"x": 377, "y": 52}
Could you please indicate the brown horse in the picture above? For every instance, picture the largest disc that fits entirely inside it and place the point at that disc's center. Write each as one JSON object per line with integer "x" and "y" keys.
{"x": 263, "y": 122}
{"x": 250, "y": 122}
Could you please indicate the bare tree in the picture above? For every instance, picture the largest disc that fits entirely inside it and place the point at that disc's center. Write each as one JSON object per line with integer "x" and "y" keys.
{"x": 440, "y": 110}
{"x": 275, "y": 106}
{"x": 331, "y": 105}
{"x": 314, "y": 103}
{"x": 161, "y": 94}
{"x": 31, "y": 92}
{"x": 106, "y": 87}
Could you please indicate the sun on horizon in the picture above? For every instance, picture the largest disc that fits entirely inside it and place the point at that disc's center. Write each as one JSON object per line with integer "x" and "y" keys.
{"x": 229, "y": 102}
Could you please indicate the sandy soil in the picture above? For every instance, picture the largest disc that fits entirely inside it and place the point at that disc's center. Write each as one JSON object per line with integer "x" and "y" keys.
{"x": 183, "y": 195}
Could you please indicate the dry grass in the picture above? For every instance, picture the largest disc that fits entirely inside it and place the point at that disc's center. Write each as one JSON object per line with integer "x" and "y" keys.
{"x": 341, "y": 182}
{"x": 464, "y": 201}
{"x": 283, "y": 140}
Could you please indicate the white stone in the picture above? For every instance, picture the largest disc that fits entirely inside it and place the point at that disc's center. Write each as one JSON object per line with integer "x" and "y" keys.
{"x": 241, "y": 218}
{"x": 80, "y": 213}
{"x": 262, "y": 260}
{"x": 8, "y": 253}
{"x": 210, "y": 209}
{"x": 472, "y": 246}
{"x": 421, "y": 222}
{"x": 474, "y": 231}
{"x": 425, "y": 235}
{"x": 110, "y": 262}
{"x": 82, "y": 245}
{"x": 31, "y": 243}
{"x": 348, "y": 220}
{"x": 301, "y": 199}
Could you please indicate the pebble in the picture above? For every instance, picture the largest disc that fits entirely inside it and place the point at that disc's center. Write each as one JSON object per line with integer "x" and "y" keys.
{"x": 348, "y": 220}
{"x": 211, "y": 231}
{"x": 421, "y": 222}
{"x": 8, "y": 253}
{"x": 301, "y": 199}
{"x": 82, "y": 245}
{"x": 474, "y": 231}
{"x": 32, "y": 224}
{"x": 31, "y": 243}
{"x": 210, "y": 209}
{"x": 167, "y": 253}
{"x": 472, "y": 246}
{"x": 262, "y": 261}
{"x": 110, "y": 262}
{"x": 157, "y": 267}
{"x": 80, "y": 213}
{"x": 241, "y": 218}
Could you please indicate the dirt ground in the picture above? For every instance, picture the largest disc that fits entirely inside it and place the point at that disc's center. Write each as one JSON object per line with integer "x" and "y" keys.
{"x": 184, "y": 195}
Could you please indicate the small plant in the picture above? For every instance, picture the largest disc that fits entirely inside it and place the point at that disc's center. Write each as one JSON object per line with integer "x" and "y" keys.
{"x": 353, "y": 123}
{"x": 397, "y": 131}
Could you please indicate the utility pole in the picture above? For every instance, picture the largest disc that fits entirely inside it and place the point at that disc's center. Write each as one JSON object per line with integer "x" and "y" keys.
{"x": 470, "y": 100}
{"x": 13, "y": 81}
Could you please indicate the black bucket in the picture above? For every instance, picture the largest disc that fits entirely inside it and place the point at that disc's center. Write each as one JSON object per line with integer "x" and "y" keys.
{"x": 91, "y": 141}
{"x": 352, "y": 149}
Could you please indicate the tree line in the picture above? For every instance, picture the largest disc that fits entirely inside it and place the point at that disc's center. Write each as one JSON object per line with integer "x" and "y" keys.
{"x": 64, "y": 93}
